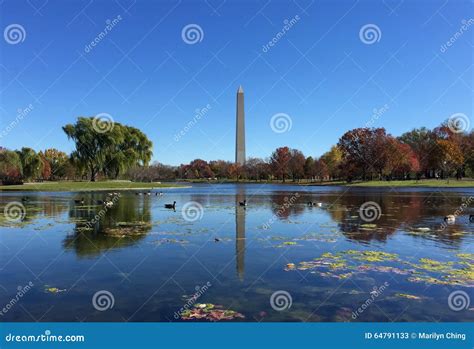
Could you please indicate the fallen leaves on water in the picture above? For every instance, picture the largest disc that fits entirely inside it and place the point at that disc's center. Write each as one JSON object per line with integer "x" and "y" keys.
{"x": 210, "y": 312}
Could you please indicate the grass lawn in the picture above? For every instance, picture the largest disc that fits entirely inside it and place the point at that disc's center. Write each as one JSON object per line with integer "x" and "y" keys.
{"x": 86, "y": 186}
{"x": 421, "y": 183}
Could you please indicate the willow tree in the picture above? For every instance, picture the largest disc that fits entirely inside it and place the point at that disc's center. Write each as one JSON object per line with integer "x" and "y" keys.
{"x": 31, "y": 163}
{"x": 111, "y": 149}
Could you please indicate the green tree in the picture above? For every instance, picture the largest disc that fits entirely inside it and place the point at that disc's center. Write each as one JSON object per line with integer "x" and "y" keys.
{"x": 111, "y": 149}
{"x": 30, "y": 162}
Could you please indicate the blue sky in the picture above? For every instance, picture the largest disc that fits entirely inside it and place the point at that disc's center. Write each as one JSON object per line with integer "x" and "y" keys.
{"x": 319, "y": 72}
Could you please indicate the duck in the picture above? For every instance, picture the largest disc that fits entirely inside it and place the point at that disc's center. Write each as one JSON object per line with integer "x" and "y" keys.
{"x": 79, "y": 201}
{"x": 450, "y": 218}
{"x": 138, "y": 193}
{"x": 243, "y": 203}
{"x": 173, "y": 205}
{"x": 216, "y": 240}
{"x": 147, "y": 193}
{"x": 471, "y": 218}
{"x": 108, "y": 204}
{"x": 311, "y": 203}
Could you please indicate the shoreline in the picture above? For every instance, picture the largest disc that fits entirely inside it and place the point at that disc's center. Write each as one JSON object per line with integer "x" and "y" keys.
{"x": 89, "y": 186}
{"x": 135, "y": 186}
{"x": 429, "y": 183}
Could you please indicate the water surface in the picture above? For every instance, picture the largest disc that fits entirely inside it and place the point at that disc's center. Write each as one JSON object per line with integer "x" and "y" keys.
{"x": 155, "y": 265}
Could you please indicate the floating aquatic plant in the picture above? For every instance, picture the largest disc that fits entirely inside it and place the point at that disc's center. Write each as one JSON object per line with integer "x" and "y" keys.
{"x": 53, "y": 289}
{"x": 210, "y": 312}
{"x": 408, "y": 296}
{"x": 344, "y": 264}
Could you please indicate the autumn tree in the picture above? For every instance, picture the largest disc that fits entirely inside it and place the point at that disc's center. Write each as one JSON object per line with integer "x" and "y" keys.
{"x": 279, "y": 161}
{"x": 11, "y": 169}
{"x": 58, "y": 162}
{"x": 401, "y": 160}
{"x": 423, "y": 143}
{"x": 296, "y": 164}
{"x": 363, "y": 149}
{"x": 451, "y": 158}
{"x": 333, "y": 160}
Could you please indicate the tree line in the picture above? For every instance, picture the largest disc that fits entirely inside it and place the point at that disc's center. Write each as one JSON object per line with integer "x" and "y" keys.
{"x": 116, "y": 151}
{"x": 360, "y": 154}
{"x": 103, "y": 149}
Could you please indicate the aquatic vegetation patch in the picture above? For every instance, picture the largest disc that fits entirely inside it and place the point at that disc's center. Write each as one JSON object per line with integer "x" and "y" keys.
{"x": 287, "y": 244}
{"x": 368, "y": 226}
{"x": 123, "y": 229}
{"x": 373, "y": 256}
{"x": 407, "y": 296}
{"x": 344, "y": 264}
{"x": 469, "y": 256}
{"x": 210, "y": 312}
{"x": 49, "y": 289}
{"x": 169, "y": 241}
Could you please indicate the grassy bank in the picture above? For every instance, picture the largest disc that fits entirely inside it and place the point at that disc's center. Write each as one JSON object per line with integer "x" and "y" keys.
{"x": 434, "y": 183}
{"x": 87, "y": 186}
{"x": 453, "y": 183}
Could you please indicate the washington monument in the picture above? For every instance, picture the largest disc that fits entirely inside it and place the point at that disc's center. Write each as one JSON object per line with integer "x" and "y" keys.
{"x": 240, "y": 129}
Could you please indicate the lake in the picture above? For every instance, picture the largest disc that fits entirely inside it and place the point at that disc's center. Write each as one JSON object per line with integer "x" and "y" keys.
{"x": 276, "y": 259}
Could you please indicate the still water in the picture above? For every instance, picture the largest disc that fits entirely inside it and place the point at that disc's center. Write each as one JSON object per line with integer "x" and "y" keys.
{"x": 331, "y": 264}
